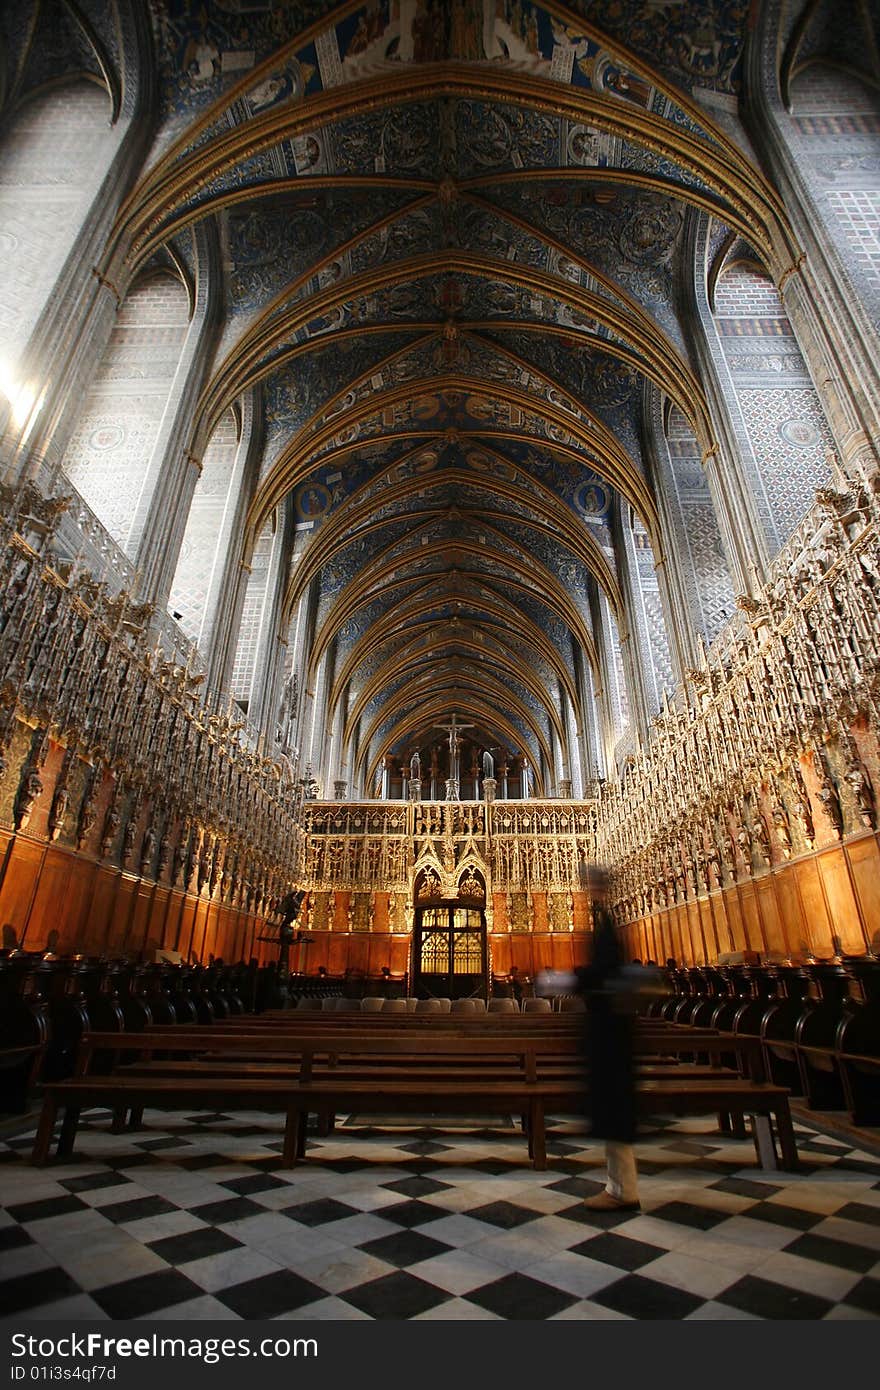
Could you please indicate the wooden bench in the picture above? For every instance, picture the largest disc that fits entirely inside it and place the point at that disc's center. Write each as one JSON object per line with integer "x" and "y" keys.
{"x": 312, "y": 1080}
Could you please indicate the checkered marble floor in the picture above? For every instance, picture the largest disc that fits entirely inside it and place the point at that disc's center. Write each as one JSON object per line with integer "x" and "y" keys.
{"x": 192, "y": 1218}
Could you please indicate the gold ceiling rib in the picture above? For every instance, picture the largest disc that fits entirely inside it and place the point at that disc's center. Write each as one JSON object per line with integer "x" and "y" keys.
{"x": 574, "y": 22}
{"x": 429, "y": 715}
{"x": 349, "y": 524}
{"x": 719, "y": 164}
{"x": 375, "y": 581}
{"x": 414, "y": 656}
{"x": 672, "y": 373}
{"x": 615, "y": 465}
{"x": 467, "y": 679}
{"x": 420, "y": 613}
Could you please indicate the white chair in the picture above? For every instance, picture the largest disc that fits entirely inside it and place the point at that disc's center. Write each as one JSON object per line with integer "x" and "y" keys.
{"x": 571, "y": 1004}
{"x": 371, "y": 1003}
{"x": 503, "y": 1006}
{"x": 428, "y": 1006}
{"x": 310, "y": 1005}
{"x": 536, "y": 1006}
{"x": 394, "y": 1006}
{"x": 411, "y": 1004}
{"x": 462, "y": 1006}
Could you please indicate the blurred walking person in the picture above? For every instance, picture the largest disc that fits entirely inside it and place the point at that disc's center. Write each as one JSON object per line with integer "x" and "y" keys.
{"x": 610, "y": 1056}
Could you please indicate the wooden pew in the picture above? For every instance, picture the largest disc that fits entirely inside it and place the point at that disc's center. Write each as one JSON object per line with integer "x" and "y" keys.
{"x": 312, "y": 1081}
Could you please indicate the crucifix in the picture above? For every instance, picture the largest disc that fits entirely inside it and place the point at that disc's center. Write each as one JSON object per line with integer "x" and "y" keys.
{"x": 453, "y": 729}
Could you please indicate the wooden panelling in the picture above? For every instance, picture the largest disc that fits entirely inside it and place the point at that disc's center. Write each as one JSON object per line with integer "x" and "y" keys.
{"x": 751, "y": 918}
{"x": 791, "y": 913}
{"x": 771, "y": 919}
{"x": 22, "y": 864}
{"x": 818, "y": 927}
{"x": 843, "y": 909}
{"x": 499, "y": 945}
{"x": 735, "y": 920}
{"x": 380, "y": 912}
{"x": 864, "y": 860}
{"x": 707, "y": 924}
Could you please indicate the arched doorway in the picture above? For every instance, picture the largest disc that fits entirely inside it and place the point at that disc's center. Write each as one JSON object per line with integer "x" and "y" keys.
{"x": 450, "y": 951}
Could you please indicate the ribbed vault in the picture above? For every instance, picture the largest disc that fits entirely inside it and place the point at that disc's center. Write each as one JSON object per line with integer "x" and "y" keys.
{"x": 450, "y": 236}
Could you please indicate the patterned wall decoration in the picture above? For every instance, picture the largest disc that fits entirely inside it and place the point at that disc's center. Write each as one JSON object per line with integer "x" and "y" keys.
{"x": 656, "y": 647}
{"x": 251, "y": 616}
{"x": 52, "y": 159}
{"x": 199, "y": 554}
{"x": 110, "y": 448}
{"x": 706, "y": 574}
{"x": 786, "y": 428}
{"x": 837, "y": 118}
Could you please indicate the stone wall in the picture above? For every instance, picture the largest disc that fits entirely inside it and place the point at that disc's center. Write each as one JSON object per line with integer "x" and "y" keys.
{"x": 784, "y": 423}
{"x": 52, "y": 159}
{"x": 107, "y": 458}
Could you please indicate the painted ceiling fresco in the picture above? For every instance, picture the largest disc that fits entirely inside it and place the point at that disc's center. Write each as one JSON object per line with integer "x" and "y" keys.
{"x": 450, "y": 233}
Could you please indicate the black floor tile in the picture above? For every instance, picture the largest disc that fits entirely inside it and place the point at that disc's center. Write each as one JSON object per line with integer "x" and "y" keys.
{"x": 155, "y": 1145}
{"x": 596, "y": 1220}
{"x": 424, "y": 1146}
{"x": 518, "y": 1296}
{"x": 507, "y": 1215}
{"x": 137, "y": 1298}
{"x": 745, "y": 1187}
{"x": 94, "y": 1182}
{"x": 31, "y": 1290}
{"x": 765, "y": 1299}
{"x": 576, "y": 1187}
{"x": 862, "y": 1165}
{"x": 619, "y": 1251}
{"x": 397, "y": 1296}
{"x": 866, "y": 1295}
{"x": 841, "y": 1253}
{"x": 688, "y": 1214}
{"x": 193, "y": 1245}
{"x": 259, "y": 1182}
{"x": 320, "y": 1211}
{"x": 137, "y": 1209}
{"x": 228, "y": 1209}
{"x": 860, "y": 1211}
{"x": 47, "y": 1207}
{"x": 781, "y": 1215}
{"x": 195, "y": 1163}
{"x": 403, "y": 1248}
{"x": 641, "y": 1297}
{"x": 270, "y": 1294}
{"x": 417, "y": 1187}
{"x": 689, "y": 1146}
{"x": 412, "y": 1213}
{"x": 14, "y": 1237}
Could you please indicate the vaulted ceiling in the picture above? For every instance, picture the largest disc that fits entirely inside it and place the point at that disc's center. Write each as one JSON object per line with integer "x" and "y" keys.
{"x": 451, "y": 232}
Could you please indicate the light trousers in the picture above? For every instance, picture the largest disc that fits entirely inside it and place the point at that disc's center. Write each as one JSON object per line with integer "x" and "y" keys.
{"x": 623, "y": 1182}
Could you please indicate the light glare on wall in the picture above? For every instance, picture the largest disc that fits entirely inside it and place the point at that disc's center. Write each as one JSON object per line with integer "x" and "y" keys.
{"x": 20, "y": 396}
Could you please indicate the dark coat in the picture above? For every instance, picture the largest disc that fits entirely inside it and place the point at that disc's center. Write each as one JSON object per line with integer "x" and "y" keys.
{"x": 609, "y": 1040}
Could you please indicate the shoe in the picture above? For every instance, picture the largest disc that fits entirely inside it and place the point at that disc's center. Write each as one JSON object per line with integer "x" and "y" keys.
{"x": 603, "y": 1201}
